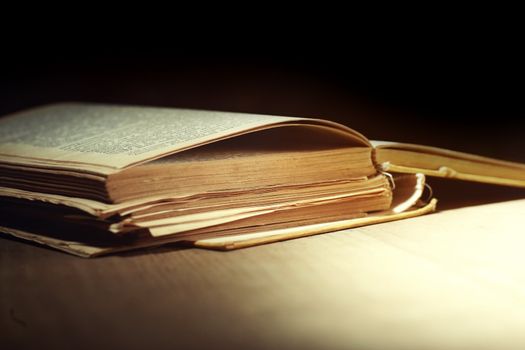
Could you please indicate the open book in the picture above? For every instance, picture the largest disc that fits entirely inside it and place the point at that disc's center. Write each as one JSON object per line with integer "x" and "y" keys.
{"x": 93, "y": 179}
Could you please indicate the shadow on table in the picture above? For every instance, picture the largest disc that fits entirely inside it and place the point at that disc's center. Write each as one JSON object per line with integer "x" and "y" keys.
{"x": 454, "y": 194}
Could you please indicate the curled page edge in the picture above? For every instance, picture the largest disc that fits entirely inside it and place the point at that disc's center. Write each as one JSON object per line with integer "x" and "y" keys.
{"x": 407, "y": 195}
{"x": 249, "y": 240}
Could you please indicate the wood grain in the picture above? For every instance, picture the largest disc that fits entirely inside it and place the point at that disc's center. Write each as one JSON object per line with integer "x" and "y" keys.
{"x": 454, "y": 280}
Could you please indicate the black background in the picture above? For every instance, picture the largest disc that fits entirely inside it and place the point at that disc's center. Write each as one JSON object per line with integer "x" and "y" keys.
{"x": 461, "y": 90}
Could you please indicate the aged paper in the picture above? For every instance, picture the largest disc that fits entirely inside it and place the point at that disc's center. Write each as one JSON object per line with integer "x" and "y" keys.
{"x": 103, "y": 138}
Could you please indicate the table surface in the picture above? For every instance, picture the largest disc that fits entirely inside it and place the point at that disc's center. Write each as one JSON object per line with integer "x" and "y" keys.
{"x": 450, "y": 280}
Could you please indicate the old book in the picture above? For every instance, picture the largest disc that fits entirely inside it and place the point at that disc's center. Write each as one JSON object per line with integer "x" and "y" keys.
{"x": 92, "y": 179}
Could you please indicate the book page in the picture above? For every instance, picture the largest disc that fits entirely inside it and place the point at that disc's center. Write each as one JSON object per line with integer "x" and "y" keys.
{"x": 440, "y": 162}
{"x": 103, "y": 138}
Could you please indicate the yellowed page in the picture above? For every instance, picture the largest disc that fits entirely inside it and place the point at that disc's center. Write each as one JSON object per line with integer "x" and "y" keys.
{"x": 253, "y": 239}
{"x": 423, "y": 149}
{"x": 104, "y": 138}
{"x": 184, "y": 223}
{"x": 406, "y": 204}
{"x": 433, "y": 161}
{"x": 89, "y": 206}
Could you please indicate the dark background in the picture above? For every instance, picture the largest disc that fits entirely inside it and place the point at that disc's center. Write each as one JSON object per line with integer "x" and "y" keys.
{"x": 462, "y": 91}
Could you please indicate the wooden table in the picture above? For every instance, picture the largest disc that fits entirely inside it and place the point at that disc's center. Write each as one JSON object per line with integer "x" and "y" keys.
{"x": 450, "y": 280}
